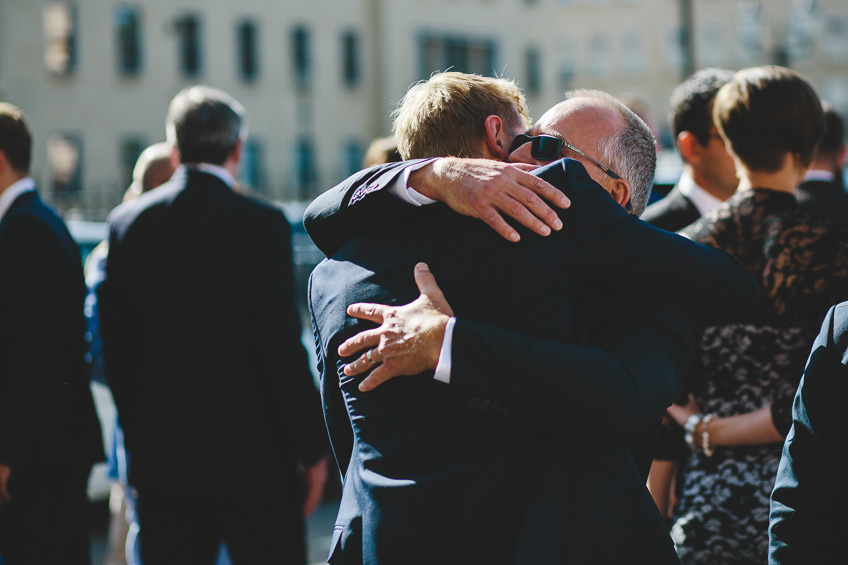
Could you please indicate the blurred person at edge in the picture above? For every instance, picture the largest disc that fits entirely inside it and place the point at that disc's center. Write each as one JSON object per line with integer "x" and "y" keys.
{"x": 201, "y": 343}
{"x": 709, "y": 175}
{"x": 382, "y": 150}
{"x": 740, "y": 410}
{"x": 822, "y": 193}
{"x": 49, "y": 432}
{"x": 807, "y": 521}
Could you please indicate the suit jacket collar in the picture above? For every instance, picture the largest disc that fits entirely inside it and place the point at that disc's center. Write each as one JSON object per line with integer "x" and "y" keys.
{"x": 700, "y": 198}
{"x": 213, "y": 170}
{"x": 11, "y": 194}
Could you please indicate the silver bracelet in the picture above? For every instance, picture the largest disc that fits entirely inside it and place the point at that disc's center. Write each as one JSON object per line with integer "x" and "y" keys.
{"x": 689, "y": 429}
{"x": 705, "y": 436}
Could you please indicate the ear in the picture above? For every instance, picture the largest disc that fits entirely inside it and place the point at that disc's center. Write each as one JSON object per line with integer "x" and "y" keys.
{"x": 175, "y": 157}
{"x": 620, "y": 192}
{"x": 496, "y": 142}
{"x": 689, "y": 147}
{"x": 842, "y": 156}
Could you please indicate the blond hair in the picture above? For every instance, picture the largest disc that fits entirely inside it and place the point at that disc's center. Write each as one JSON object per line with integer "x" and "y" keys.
{"x": 445, "y": 115}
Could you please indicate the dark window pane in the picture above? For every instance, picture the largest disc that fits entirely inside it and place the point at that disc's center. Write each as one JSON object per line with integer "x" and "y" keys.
{"x": 350, "y": 58}
{"x": 533, "y": 66}
{"x": 131, "y": 148}
{"x": 352, "y": 157}
{"x": 188, "y": 29}
{"x": 442, "y": 53}
{"x": 301, "y": 55}
{"x": 304, "y": 168}
{"x": 248, "y": 53}
{"x": 128, "y": 29}
{"x": 250, "y": 169}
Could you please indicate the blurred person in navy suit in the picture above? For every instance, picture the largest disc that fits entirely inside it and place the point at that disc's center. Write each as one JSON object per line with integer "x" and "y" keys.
{"x": 49, "y": 432}
{"x": 202, "y": 351}
{"x": 808, "y": 519}
{"x": 822, "y": 192}
{"x": 709, "y": 175}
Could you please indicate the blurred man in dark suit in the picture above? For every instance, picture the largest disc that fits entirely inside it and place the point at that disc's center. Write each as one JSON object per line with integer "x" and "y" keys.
{"x": 49, "y": 433}
{"x": 823, "y": 191}
{"x": 807, "y": 518}
{"x": 201, "y": 344}
{"x": 709, "y": 175}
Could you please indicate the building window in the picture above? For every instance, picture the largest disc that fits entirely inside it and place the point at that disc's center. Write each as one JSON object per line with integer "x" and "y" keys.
{"x": 834, "y": 42}
{"x": 566, "y": 71}
{"x": 188, "y": 30}
{"x": 128, "y": 31}
{"x": 131, "y": 148}
{"x": 803, "y": 25}
{"x": 597, "y": 63}
{"x": 533, "y": 66}
{"x": 352, "y": 156}
{"x": 251, "y": 167}
{"x": 632, "y": 57}
{"x": 60, "y": 37}
{"x": 301, "y": 56}
{"x": 712, "y": 49}
{"x": 64, "y": 158}
{"x": 674, "y": 49}
{"x": 304, "y": 168}
{"x": 248, "y": 53}
{"x": 465, "y": 55}
{"x": 350, "y": 59}
{"x": 750, "y": 29}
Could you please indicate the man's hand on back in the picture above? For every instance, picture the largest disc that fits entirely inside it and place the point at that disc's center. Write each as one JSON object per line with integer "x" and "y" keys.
{"x": 408, "y": 341}
{"x": 486, "y": 189}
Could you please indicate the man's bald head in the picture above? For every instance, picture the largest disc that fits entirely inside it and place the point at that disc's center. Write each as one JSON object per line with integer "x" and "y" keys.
{"x": 608, "y": 131}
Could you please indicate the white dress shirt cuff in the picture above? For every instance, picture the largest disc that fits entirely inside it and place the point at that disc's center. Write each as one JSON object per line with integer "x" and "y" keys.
{"x": 402, "y": 190}
{"x": 443, "y": 368}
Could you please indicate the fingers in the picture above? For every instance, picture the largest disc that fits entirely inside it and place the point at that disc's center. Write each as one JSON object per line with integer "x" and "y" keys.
{"x": 366, "y": 311}
{"x": 427, "y": 286}
{"x": 547, "y": 191}
{"x": 523, "y": 198}
{"x": 535, "y": 195}
{"x": 362, "y": 340}
{"x": 491, "y": 216}
{"x": 377, "y": 377}
{"x": 363, "y": 363}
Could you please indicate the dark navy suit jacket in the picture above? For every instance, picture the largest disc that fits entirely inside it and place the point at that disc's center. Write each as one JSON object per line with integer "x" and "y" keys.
{"x": 48, "y": 424}
{"x": 201, "y": 344}
{"x": 672, "y": 213}
{"x": 530, "y": 437}
{"x": 808, "y": 521}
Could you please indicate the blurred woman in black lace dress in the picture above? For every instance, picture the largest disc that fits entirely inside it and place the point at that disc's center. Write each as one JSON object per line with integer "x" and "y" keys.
{"x": 771, "y": 120}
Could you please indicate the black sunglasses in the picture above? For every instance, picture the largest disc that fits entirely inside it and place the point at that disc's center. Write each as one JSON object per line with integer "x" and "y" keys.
{"x": 549, "y": 148}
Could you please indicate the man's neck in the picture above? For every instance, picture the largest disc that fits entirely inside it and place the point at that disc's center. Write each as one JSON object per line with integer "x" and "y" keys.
{"x": 706, "y": 184}
{"x": 10, "y": 178}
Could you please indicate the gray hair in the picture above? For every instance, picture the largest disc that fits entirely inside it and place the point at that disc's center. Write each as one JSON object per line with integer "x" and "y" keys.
{"x": 632, "y": 152}
{"x": 205, "y": 124}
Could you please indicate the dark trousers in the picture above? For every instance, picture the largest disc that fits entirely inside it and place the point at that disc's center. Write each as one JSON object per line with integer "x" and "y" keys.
{"x": 187, "y": 530}
{"x": 46, "y": 520}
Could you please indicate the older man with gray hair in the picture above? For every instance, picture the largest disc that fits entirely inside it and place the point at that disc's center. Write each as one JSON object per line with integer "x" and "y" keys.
{"x": 201, "y": 343}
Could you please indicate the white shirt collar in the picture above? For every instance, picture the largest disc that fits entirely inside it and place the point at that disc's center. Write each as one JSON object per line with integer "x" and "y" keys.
{"x": 215, "y": 170}
{"x": 703, "y": 200}
{"x": 11, "y": 194}
{"x": 819, "y": 174}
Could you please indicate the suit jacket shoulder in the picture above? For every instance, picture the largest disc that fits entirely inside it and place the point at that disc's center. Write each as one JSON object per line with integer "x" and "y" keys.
{"x": 672, "y": 213}
{"x": 807, "y": 508}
